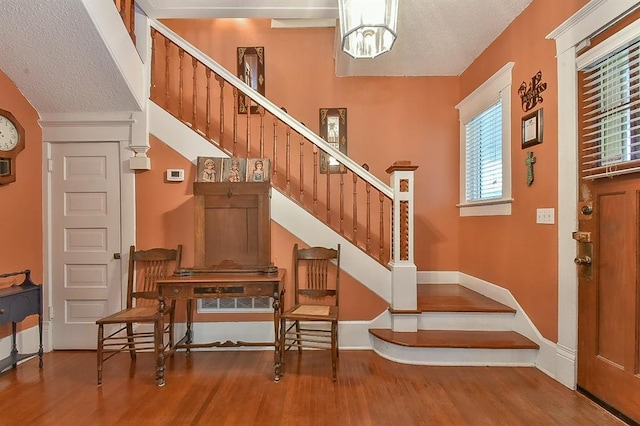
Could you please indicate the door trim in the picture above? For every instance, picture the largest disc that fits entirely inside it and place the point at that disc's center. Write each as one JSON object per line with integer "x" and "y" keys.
{"x": 82, "y": 130}
{"x": 568, "y": 36}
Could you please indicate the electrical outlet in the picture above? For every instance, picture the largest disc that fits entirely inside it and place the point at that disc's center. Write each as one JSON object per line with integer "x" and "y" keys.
{"x": 546, "y": 216}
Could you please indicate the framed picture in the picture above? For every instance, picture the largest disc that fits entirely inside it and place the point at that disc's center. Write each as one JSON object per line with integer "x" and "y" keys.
{"x": 258, "y": 170}
{"x": 234, "y": 170}
{"x": 532, "y": 127}
{"x": 333, "y": 129}
{"x": 209, "y": 169}
{"x": 251, "y": 71}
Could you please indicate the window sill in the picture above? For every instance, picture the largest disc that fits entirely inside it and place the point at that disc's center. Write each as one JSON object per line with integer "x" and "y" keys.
{"x": 500, "y": 207}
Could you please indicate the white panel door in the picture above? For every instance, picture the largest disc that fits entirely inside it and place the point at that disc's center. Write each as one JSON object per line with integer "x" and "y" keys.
{"x": 86, "y": 278}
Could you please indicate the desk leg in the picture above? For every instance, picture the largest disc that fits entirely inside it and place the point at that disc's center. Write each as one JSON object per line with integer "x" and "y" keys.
{"x": 189, "y": 333}
{"x": 159, "y": 341}
{"x": 276, "y": 343}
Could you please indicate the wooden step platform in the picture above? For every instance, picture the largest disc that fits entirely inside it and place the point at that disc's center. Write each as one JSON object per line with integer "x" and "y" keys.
{"x": 455, "y": 298}
{"x": 455, "y": 339}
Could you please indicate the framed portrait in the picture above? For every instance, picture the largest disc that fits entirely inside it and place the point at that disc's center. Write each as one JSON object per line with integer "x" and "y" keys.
{"x": 209, "y": 169}
{"x": 532, "y": 127}
{"x": 333, "y": 129}
{"x": 234, "y": 170}
{"x": 251, "y": 71}
{"x": 258, "y": 170}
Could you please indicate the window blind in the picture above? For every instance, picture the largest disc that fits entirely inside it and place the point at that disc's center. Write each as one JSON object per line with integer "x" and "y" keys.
{"x": 610, "y": 138}
{"x": 484, "y": 155}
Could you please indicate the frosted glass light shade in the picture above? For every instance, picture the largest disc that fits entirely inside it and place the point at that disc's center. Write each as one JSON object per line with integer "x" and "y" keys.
{"x": 368, "y": 27}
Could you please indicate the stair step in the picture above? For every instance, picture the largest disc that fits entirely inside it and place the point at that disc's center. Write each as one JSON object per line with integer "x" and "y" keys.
{"x": 455, "y": 298}
{"x": 455, "y": 339}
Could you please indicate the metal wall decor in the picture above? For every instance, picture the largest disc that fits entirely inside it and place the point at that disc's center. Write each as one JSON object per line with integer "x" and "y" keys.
{"x": 333, "y": 129}
{"x": 251, "y": 71}
{"x": 530, "y": 94}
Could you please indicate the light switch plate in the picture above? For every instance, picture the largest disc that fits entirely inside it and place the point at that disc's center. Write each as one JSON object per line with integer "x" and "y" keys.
{"x": 546, "y": 216}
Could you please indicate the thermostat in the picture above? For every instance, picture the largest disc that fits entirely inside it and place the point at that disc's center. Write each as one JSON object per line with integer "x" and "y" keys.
{"x": 175, "y": 175}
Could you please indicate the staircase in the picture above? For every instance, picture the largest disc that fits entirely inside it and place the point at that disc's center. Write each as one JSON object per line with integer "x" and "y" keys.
{"x": 457, "y": 326}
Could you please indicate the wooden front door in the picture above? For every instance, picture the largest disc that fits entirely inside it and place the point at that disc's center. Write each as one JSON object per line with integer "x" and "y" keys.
{"x": 609, "y": 292}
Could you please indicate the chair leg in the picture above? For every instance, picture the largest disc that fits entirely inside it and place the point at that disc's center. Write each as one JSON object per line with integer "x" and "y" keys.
{"x": 282, "y": 337}
{"x": 132, "y": 345}
{"x": 334, "y": 349}
{"x": 172, "y": 319}
{"x": 99, "y": 352}
{"x": 298, "y": 337}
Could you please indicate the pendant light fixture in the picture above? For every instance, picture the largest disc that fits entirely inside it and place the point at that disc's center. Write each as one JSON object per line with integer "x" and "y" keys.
{"x": 368, "y": 27}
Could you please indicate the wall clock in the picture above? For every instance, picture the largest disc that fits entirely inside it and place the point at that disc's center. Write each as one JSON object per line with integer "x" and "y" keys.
{"x": 11, "y": 143}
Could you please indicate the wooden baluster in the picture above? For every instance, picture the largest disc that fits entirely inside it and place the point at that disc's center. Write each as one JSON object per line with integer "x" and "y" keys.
{"x": 275, "y": 148}
{"x": 153, "y": 58}
{"x": 315, "y": 179}
{"x": 381, "y": 197}
{"x": 328, "y": 195}
{"x": 368, "y": 230}
{"x": 302, "y": 169}
{"x": 221, "y": 83}
{"x": 261, "y": 110}
{"x": 132, "y": 21}
{"x": 194, "y": 62}
{"x": 235, "y": 120}
{"x": 354, "y": 201}
{"x": 208, "y": 128}
{"x": 288, "y": 159}
{"x": 181, "y": 84}
{"x": 167, "y": 44}
{"x": 248, "y": 129}
{"x": 341, "y": 199}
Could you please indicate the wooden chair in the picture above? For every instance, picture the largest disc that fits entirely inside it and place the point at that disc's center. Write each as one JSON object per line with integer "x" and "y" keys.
{"x": 128, "y": 332}
{"x": 313, "y": 320}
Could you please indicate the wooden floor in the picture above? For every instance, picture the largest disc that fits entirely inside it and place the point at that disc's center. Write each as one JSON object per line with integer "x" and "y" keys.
{"x": 237, "y": 388}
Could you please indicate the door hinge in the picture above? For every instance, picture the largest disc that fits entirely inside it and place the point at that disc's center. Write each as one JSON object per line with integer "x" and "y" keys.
{"x": 50, "y": 313}
{"x": 50, "y": 165}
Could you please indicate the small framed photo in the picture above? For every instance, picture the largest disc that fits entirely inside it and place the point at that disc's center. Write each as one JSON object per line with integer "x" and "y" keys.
{"x": 333, "y": 129}
{"x": 258, "y": 170}
{"x": 532, "y": 126}
{"x": 209, "y": 169}
{"x": 234, "y": 170}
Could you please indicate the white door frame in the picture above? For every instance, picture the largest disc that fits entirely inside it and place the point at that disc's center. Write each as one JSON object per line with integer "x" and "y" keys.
{"x": 83, "y": 129}
{"x": 594, "y": 16}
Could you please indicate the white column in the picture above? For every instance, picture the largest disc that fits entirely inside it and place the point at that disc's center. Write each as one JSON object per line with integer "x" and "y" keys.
{"x": 404, "y": 297}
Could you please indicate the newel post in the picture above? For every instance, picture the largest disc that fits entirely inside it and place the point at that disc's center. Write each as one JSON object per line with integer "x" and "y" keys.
{"x": 404, "y": 289}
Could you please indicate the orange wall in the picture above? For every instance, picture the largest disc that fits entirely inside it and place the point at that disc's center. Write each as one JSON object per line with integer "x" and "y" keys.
{"x": 513, "y": 251}
{"x": 21, "y": 201}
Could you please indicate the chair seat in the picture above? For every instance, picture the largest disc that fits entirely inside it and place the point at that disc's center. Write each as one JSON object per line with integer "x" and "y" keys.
{"x": 305, "y": 312}
{"x": 137, "y": 314}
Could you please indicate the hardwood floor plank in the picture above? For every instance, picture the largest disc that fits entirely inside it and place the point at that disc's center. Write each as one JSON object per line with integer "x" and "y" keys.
{"x": 237, "y": 388}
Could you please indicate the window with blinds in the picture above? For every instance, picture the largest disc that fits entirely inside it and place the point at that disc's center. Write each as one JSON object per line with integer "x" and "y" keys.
{"x": 483, "y": 135}
{"x": 610, "y": 133}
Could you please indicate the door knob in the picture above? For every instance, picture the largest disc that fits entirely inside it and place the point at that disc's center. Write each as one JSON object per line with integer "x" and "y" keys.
{"x": 584, "y": 260}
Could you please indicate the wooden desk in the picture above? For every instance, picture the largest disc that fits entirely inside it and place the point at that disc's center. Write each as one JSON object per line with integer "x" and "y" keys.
{"x": 215, "y": 286}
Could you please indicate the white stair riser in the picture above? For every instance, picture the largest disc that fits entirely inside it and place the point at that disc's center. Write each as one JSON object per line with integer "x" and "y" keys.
{"x": 455, "y": 356}
{"x": 487, "y": 321}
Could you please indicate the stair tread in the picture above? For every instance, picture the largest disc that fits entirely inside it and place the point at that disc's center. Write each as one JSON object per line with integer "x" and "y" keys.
{"x": 456, "y": 298}
{"x": 456, "y": 339}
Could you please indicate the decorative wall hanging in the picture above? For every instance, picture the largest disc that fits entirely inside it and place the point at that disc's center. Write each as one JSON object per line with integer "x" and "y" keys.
{"x": 530, "y": 161}
{"x": 333, "y": 129}
{"x": 251, "y": 71}
{"x": 532, "y": 127}
{"x": 530, "y": 95}
{"x": 213, "y": 169}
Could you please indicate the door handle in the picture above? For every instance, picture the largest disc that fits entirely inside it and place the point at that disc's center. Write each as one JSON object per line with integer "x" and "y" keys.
{"x": 116, "y": 256}
{"x": 584, "y": 260}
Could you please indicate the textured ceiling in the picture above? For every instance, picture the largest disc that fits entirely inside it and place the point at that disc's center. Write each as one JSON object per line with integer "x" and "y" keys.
{"x": 435, "y": 37}
{"x": 56, "y": 56}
